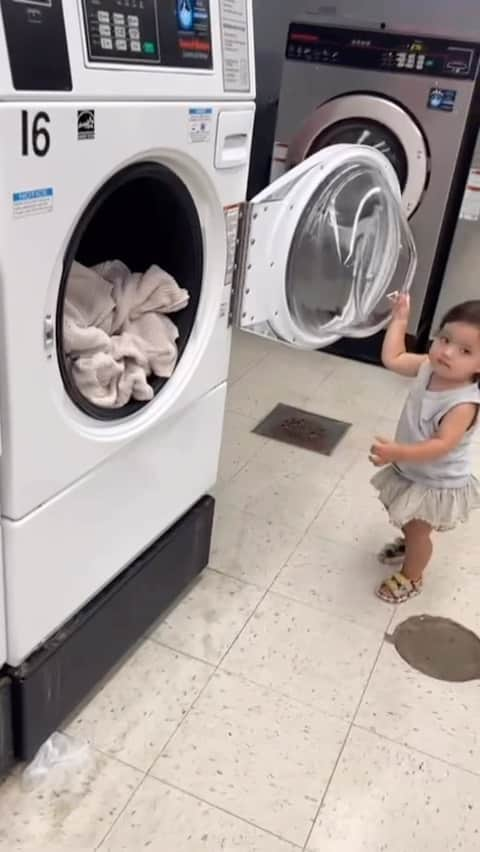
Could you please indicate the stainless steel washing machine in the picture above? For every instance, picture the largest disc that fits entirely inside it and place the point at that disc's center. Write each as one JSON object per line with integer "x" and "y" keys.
{"x": 409, "y": 96}
{"x": 462, "y": 275}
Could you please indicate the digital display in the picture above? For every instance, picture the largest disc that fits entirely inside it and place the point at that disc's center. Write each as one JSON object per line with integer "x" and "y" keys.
{"x": 170, "y": 33}
{"x": 382, "y": 51}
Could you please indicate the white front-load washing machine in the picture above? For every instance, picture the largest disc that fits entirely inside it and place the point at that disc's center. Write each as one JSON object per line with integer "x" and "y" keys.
{"x": 126, "y": 131}
{"x": 126, "y": 136}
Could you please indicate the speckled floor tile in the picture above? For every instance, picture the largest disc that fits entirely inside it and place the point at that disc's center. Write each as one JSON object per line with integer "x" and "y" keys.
{"x": 161, "y": 819}
{"x": 458, "y": 551}
{"x": 353, "y": 513}
{"x": 285, "y": 376}
{"x": 305, "y": 654}
{"x": 239, "y": 445}
{"x": 250, "y": 548}
{"x": 247, "y": 351}
{"x": 450, "y": 591}
{"x": 286, "y": 485}
{"x": 209, "y": 618}
{"x": 258, "y": 755}
{"x": 70, "y": 812}
{"x": 436, "y": 717}
{"x": 386, "y": 798}
{"x": 139, "y": 708}
{"x": 335, "y": 578}
{"x": 354, "y": 390}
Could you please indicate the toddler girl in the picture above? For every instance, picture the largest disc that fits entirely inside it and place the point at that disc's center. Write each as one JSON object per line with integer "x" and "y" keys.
{"x": 428, "y": 484}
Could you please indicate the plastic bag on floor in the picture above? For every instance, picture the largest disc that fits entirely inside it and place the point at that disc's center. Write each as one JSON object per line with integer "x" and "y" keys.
{"x": 58, "y": 753}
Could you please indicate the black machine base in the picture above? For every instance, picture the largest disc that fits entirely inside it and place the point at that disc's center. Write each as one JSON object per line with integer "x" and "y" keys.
{"x": 6, "y": 732}
{"x": 368, "y": 349}
{"x": 55, "y": 680}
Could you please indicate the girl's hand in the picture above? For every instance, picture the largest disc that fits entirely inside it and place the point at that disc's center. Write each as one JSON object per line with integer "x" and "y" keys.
{"x": 384, "y": 452}
{"x": 401, "y": 306}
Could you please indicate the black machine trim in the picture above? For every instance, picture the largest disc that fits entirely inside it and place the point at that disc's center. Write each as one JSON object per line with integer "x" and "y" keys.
{"x": 37, "y": 46}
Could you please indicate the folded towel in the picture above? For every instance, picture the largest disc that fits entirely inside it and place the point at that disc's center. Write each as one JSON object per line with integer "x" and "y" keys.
{"x": 116, "y": 333}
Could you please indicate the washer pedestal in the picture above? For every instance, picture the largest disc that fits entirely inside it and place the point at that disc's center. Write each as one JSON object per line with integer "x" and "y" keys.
{"x": 6, "y": 733}
{"x": 53, "y": 682}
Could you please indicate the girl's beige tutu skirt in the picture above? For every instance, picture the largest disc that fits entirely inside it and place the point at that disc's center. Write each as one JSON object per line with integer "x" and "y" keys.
{"x": 442, "y": 508}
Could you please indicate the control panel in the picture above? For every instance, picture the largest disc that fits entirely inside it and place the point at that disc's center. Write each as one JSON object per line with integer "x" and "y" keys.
{"x": 382, "y": 51}
{"x": 172, "y": 33}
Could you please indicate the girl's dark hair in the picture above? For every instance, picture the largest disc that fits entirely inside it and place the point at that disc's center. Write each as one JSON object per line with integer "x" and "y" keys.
{"x": 468, "y": 312}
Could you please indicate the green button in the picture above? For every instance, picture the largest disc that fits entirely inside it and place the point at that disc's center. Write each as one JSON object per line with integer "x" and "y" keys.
{"x": 149, "y": 47}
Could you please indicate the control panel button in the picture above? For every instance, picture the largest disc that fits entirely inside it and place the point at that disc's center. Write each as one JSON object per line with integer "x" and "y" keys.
{"x": 103, "y": 17}
{"x": 120, "y": 32}
{"x": 106, "y": 44}
{"x": 105, "y": 30}
{"x": 134, "y": 33}
{"x": 120, "y": 44}
{"x": 135, "y": 47}
{"x": 119, "y": 20}
{"x": 148, "y": 47}
{"x": 133, "y": 21}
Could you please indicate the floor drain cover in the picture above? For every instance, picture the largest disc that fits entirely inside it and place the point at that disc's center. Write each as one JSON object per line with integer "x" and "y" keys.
{"x": 302, "y": 429}
{"x": 439, "y": 648}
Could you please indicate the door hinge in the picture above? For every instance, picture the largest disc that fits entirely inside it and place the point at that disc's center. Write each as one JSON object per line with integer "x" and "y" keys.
{"x": 240, "y": 263}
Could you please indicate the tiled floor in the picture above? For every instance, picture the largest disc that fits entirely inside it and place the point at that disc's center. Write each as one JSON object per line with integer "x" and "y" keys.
{"x": 266, "y": 713}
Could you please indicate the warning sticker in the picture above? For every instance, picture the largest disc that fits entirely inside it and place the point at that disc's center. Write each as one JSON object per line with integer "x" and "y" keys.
{"x": 200, "y": 124}
{"x": 470, "y": 210}
{"x": 236, "y": 58}
{"x": 32, "y": 202}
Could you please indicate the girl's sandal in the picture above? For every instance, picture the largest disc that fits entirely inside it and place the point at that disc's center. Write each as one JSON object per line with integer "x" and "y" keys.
{"x": 393, "y": 553}
{"x": 398, "y": 589}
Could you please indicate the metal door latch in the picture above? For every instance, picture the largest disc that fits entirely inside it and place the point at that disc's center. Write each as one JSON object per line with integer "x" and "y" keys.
{"x": 48, "y": 334}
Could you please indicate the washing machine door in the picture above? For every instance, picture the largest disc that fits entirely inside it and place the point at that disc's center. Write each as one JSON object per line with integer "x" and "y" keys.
{"x": 322, "y": 249}
{"x": 367, "y": 119}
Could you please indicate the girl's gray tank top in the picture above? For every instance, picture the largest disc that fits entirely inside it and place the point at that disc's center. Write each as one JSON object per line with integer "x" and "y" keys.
{"x": 420, "y": 420}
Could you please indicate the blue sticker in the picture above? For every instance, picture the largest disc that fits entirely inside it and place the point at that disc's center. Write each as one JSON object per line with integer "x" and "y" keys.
{"x": 201, "y": 119}
{"x": 31, "y": 202}
{"x": 442, "y": 99}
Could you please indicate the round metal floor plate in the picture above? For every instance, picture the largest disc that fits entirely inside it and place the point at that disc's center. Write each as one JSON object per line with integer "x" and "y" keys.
{"x": 439, "y": 648}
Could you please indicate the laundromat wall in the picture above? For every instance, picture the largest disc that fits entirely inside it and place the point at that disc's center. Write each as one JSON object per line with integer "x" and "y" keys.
{"x": 454, "y": 18}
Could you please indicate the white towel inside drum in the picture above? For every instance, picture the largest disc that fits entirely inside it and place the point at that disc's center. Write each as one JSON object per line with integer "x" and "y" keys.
{"x": 116, "y": 333}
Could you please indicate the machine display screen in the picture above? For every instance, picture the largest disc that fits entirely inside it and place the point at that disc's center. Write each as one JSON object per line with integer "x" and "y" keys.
{"x": 382, "y": 51}
{"x": 171, "y": 33}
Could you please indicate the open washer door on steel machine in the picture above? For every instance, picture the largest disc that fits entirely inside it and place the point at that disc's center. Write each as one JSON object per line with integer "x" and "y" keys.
{"x": 321, "y": 249}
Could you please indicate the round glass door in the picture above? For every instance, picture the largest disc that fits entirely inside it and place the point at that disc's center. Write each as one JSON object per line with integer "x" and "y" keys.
{"x": 351, "y": 248}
